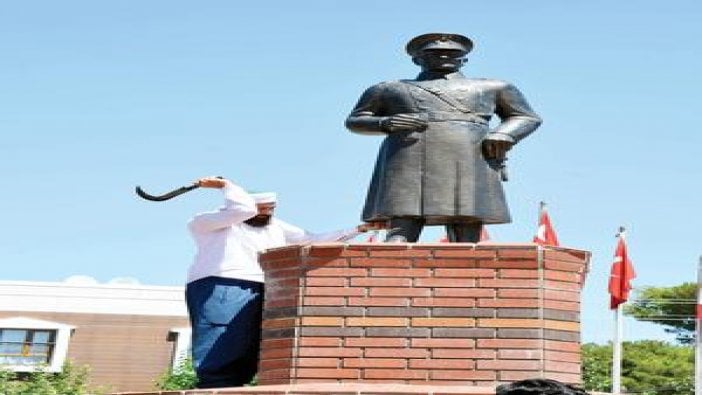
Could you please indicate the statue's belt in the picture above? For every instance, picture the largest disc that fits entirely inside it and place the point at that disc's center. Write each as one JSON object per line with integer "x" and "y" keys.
{"x": 442, "y": 116}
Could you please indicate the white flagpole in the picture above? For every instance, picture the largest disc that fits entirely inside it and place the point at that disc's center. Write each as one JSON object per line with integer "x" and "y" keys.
{"x": 617, "y": 343}
{"x": 617, "y": 357}
{"x": 698, "y": 334}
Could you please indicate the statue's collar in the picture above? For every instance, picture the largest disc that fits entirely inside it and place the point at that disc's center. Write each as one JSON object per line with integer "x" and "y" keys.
{"x": 431, "y": 75}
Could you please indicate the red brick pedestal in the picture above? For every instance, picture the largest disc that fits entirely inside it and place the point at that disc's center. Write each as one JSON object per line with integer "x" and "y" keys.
{"x": 449, "y": 313}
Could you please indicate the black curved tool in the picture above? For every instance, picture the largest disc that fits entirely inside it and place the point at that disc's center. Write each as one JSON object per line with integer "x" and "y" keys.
{"x": 165, "y": 196}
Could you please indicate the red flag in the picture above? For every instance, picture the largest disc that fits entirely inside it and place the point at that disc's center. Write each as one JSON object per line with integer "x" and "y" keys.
{"x": 484, "y": 236}
{"x": 373, "y": 238}
{"x": 622, "y": 274}
{"x": 545, "y": 235}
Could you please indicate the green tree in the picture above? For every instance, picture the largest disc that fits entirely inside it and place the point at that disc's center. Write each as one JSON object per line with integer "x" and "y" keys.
{"x": 7, "y": 379}
{"x": 71, "y": 380}
{"x": 182, "y": 377}
{"x": 649, "y": 367}
{"x": 597, "y": 367}
{"x": 671, "y": 307}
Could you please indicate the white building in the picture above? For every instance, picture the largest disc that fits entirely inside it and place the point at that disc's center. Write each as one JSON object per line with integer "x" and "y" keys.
{"x": 127, "y": 333}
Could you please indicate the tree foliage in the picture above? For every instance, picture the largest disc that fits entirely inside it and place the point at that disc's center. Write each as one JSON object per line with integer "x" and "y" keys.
{"x": 182, "y": 377}
{"x": 71, "y": 380}
{"x": 597, "y": 367}
{"x": 649, "y": 367}
{"x": 671, "y": 307}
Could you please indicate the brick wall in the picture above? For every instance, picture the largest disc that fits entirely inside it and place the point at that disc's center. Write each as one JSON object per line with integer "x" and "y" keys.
{"x": 418, "y": 313}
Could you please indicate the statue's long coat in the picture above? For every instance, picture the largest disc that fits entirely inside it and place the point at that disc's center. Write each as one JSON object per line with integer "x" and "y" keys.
{"x": 440, "y": 174}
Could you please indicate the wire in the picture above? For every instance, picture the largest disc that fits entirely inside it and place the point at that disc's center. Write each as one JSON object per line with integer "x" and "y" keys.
{"x": 663, "y": 319}
{"x": 665, "y": 300}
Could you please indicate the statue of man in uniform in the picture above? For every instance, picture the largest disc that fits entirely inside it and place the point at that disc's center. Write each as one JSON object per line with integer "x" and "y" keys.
{"x": 440, "y": 163}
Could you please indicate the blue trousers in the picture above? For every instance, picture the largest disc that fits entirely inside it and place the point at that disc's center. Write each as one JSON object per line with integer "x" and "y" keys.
{"x": 225, "y": 316}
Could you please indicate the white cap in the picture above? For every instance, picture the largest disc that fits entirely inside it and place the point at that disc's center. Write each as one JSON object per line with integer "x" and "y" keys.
{"x": 265, "y": 197}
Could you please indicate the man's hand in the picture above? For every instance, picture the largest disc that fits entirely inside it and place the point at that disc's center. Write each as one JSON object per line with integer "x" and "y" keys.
{"x": 211, "y": 182}
{"x": 404, "y": 123}
{"x": 371, "y": 226}
{"x": 496, "y": 149}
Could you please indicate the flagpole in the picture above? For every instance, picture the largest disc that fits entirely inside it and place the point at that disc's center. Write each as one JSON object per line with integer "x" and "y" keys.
{"x": 698, "y": 334}
{"x": 617, "y": 343}
{"x": 617, "y": 350}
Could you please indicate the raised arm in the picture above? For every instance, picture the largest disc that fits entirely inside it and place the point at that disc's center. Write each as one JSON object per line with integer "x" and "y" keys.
{"x": 238, "y": 207}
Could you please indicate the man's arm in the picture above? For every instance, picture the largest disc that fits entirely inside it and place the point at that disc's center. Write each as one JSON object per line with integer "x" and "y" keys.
{"x": 238, "y": 207}
{"x": 295, "y": 235}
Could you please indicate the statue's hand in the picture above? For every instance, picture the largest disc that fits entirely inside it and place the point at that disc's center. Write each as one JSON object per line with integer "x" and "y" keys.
{"x": 404, "y": 123}
{"x": 496, "y": 149}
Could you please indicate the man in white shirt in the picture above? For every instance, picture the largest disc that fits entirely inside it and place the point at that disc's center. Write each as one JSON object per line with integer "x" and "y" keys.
{"x": 225, "y": 282}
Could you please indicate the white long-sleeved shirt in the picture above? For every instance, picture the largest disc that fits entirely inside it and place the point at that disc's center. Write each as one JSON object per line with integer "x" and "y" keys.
{"x": 228, "y": 247}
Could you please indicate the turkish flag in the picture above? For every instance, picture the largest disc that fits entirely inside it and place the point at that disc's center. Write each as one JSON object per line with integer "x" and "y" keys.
{"x": 621, "y": 276}
{"x": 484, "y": 236}
{"x": 545, "y": 235}
{"x": 373, "y": 238}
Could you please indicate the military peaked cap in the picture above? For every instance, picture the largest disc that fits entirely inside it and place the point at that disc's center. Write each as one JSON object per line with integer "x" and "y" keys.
{"x": 439, "y": 41}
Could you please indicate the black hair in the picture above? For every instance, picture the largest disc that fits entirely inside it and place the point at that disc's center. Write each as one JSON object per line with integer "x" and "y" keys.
{"x": 259, "y": 220}
{"x": 539, "y": 386}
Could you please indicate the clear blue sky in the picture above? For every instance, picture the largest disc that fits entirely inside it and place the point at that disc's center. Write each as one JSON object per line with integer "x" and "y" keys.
{"x": 97, "y": 97}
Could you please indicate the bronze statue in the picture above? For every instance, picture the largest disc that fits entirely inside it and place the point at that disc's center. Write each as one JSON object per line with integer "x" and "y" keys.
{"x": 440, "y": 163}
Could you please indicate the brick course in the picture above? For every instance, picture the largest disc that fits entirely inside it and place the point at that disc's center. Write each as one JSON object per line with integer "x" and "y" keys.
{"x": 450, "y": 313}
{"x": 367, "y": 387}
